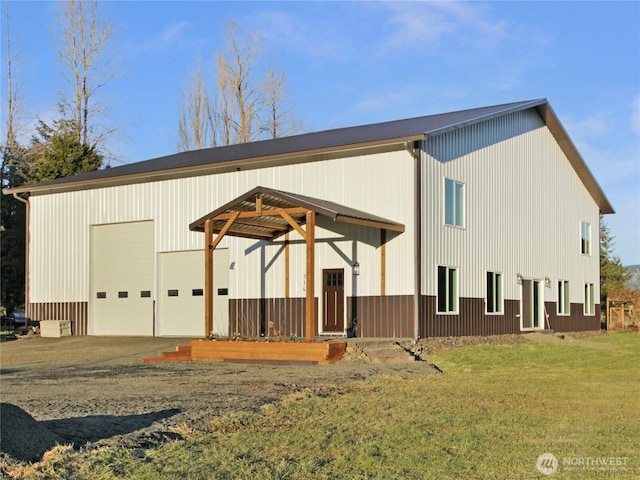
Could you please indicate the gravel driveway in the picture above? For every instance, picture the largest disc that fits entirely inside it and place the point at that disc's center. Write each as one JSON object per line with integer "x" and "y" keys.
{"x": 97, "y": 391}
{"x": 94, "y": 391}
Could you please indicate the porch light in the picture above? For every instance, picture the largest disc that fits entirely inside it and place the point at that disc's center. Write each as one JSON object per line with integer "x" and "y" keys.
{"x": 518, "y": 279}
{"x": 547, "y": 282}
{"x": 356, "y": 268}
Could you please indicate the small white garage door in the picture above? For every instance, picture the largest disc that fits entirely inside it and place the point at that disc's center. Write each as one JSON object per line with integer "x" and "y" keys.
{"x": 181, "y": 293}
{"x": 122, "y": 263}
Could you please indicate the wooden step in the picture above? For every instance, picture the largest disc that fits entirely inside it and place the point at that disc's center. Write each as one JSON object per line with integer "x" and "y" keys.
{"x": 307, "y": 353}
{"x": 182, "y": 353}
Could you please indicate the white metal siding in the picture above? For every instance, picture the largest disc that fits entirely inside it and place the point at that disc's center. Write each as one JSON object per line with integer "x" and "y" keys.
{"x": 523, "y": 208}
{"x": 380, "y": 184}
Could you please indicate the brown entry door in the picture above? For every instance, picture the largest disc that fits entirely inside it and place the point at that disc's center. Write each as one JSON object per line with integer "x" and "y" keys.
{"x": 333, "y": 294}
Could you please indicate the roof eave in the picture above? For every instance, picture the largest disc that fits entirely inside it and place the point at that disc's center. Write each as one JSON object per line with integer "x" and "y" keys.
{"x": 72, "y": 185}
{"x": 483, "y": 118}
{"x": 575, "y": 159}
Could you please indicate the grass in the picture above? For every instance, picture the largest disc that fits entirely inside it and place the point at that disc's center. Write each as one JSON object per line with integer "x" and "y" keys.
{"x": 490, "y": 415}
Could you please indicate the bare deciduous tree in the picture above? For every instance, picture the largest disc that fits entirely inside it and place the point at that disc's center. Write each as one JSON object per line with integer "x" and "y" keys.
{"x": 240, "y": 94}
{"x": 13, "y": 105}
{"x": 279, "y": 121}
{"x": 245, "y": 107}
{"x": 84, "y": 41}
{"x": 195, "y": 121}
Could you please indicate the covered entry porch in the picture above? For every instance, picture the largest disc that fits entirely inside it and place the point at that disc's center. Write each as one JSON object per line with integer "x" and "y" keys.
{"x": 266, "y": 214}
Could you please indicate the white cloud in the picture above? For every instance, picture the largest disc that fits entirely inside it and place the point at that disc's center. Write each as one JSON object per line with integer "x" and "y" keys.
{"x": 598, "y": 123}
{"x": 427, "y": 24}
{"x": 321, "y": 40}
{"x": 165, "y": 39}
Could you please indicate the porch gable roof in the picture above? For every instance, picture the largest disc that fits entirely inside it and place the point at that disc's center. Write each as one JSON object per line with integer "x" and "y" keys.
{"x": 261, "y": 214}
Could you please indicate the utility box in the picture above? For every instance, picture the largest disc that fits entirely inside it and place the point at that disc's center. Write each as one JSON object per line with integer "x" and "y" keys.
{"x": 55, "y": 328}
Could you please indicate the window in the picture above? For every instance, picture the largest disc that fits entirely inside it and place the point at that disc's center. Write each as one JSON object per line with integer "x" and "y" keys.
{"x": 453, "y": 203}
{"x": 585, "y": 238}
{"x": 564, "y": 306}
{"x": 589, "y": 300}
{"x": 447, "y": 290}
{"x": 494, "y": 292}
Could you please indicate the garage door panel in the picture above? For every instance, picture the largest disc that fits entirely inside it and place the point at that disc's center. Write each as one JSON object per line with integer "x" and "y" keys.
{"x": 181, "y": 293}
{"x": 122, "y": 260}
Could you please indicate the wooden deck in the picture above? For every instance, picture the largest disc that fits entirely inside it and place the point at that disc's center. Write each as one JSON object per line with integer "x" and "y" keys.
{"x": 255, "y": 352}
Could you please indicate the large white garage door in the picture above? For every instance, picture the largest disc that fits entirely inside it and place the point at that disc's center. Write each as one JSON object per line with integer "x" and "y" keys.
{"x": 181, "y": 293}
{"x": 122, "y": 261}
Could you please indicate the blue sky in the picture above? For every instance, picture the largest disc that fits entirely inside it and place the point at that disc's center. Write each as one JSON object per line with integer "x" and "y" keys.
{"x": 351, "y": 63}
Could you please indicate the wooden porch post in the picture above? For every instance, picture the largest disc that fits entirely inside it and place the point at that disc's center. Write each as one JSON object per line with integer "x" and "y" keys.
{"x": 310, "y": 312}
{"x": 208, "y": 277}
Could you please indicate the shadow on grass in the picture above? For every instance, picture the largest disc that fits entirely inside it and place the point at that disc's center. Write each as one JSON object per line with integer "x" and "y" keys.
{"x": 81, "y": 430}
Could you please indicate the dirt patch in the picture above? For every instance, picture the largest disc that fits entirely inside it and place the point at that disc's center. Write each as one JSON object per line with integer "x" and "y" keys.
{"x": 429, "y": 346}
{"x": 23, "y": 437}
{"x": 573, "y": 339}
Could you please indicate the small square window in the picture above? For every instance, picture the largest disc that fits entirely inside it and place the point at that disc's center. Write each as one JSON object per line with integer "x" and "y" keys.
{"x": 223, "y": 291}
{"x": 101, "y": 295}
{"x": 172, "y": 293}
{"x": 197, "y": 292}
{"x": 145, "y": 294}
{"x": 123, "y": 294}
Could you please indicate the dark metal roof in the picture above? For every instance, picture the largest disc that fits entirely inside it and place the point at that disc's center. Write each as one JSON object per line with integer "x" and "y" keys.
{"x": 209, "y": 160}
{"x": 349, "y": 137}
{"x": 271, "y": 226}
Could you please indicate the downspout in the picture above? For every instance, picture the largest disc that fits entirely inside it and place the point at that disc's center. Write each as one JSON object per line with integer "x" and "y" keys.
{"x": 417, "y": 237}
{"x": 27, "y": 307}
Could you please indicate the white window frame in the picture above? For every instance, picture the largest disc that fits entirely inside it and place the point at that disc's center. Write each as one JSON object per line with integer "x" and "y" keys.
{"x": 450, "y": 309}
{"x": 458, "y": 206}
{"x": 498, "y": 295}
{"x": 589, "y": 300}
{"x": 564, "y": 301}
{"x": 585, "y": 238}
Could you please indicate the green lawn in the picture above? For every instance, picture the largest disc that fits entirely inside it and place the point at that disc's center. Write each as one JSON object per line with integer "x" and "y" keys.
{"x": 490, "y": 415}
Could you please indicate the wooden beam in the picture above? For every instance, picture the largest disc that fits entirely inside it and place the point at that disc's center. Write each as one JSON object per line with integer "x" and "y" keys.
{"x": 371, "y": 223}
{"x": 295, "y": 224}
{"x": 310, "y": 313}
{"x": 250, "y": 232}
{"x": 209, "y": 247}
{"x": 224, "y": 230}
{"x": 383, "y": 262}
{"x": 259, "y": 205}
{"x": 208, "y": 278}
{"x": 265, "y": 213}
{"x": 261, "y": 223}
{"x": 286, "y": 265}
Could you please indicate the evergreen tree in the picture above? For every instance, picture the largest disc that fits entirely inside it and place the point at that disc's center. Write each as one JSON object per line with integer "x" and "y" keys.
{"x": 12, "y": 231}
{"x": 56, "y": 152}
{"x": 612, "y": 274}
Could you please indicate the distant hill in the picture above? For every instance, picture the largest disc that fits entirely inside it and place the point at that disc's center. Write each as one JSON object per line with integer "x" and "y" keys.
{"x": 634, "y": 281}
